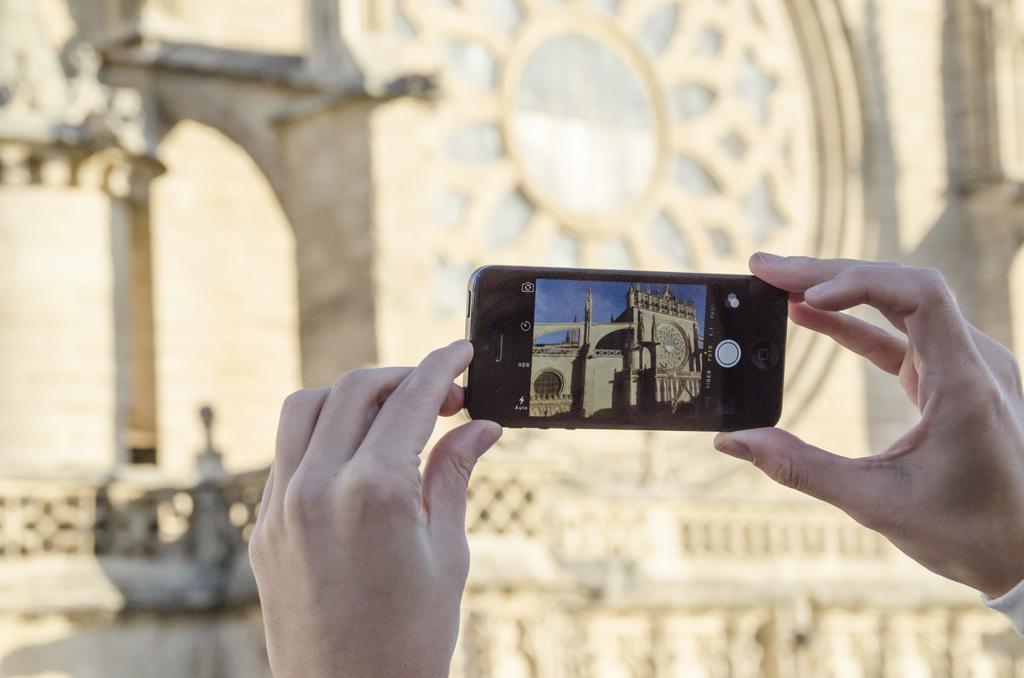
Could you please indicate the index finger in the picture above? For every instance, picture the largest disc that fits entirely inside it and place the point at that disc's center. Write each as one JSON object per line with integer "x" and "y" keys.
{"x": 407, "y": 417}
{"x": 915, "y": 299}
{"x": 797, "y": 274}
{"x": 353, "y": 403}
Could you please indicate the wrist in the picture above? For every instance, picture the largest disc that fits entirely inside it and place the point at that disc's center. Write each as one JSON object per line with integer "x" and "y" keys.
{"x": 1001, "y": 580}
{"x": 998, "y": 590}
{"x": 1010, "y": 604}
{"x": 339, "y": 659}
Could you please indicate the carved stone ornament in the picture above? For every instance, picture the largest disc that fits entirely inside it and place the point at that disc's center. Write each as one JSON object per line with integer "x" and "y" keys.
{"x": 40, "y": 103}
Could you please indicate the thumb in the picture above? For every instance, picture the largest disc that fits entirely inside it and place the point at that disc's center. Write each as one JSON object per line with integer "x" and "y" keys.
{"x": 853, "y": 485}
{"x": 446, "y": 477}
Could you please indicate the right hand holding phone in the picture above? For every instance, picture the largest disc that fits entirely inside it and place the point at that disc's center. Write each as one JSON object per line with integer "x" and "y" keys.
{"x": 950, "y": 492}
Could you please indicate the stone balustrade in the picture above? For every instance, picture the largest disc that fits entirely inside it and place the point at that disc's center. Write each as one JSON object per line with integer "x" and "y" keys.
{"x": 208, "y": 524}
{"x": 565, "y": 579}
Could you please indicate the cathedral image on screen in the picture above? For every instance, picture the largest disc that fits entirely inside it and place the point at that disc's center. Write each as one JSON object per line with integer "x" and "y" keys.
{"x": 644, "y": 358}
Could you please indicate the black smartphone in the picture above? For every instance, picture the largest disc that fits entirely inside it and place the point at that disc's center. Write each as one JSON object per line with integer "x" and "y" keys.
{"x": 583, "y": 348}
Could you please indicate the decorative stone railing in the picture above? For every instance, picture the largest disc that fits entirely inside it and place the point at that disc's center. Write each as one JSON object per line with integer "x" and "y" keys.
{"x": 102, "y": 547}
{"x": 585, "y": 526}
{"x": 127, "y": 518}
{"x": 147, "y": 545}
{"x": 133, "y": 518}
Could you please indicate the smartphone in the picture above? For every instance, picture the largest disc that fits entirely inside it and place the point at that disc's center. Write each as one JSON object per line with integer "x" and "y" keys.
{"x": 584, "y": 348}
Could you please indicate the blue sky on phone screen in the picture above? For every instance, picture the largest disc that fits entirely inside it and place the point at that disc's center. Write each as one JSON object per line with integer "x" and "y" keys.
{"x": 560, "y": 301}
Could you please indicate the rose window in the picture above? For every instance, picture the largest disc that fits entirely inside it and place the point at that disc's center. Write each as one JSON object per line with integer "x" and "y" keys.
{"x": 638, "y": 133}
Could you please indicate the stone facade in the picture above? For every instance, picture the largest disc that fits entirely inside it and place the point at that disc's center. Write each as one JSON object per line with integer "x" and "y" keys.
{"x": 214, "y": 203}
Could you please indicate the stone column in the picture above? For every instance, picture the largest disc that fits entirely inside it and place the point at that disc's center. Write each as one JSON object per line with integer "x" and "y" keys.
{"x": 74, "y": 163}
{"x": 65, "y": 229}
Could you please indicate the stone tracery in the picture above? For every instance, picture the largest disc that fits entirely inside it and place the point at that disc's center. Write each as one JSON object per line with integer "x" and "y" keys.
{"x": 692, "y": 119}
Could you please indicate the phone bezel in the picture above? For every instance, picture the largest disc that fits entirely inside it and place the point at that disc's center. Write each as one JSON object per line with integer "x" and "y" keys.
{"x": 760, "y": 399}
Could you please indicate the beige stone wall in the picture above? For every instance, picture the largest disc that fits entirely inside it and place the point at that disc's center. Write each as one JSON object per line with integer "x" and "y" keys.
{"x": 224, "y": 300}
{"x": 57, "y": 342}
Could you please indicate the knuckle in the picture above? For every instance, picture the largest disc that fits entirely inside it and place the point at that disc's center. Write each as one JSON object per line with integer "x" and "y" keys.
{"x": 260, "y": 547}
{"x": 304, "y": 501}
{"x": 353, "y": 380}
{"x": 931, "y": 275}
{"x": 933, "y": 283}
{"x": 856, "y": 276}
{"x": 369, "y": 486}
{"x": 1015, "y": 375}
{"x": 990, "y": 402}
{"x": 295, "y": 401}
{"x": 256, "y": 548}
{"x": 975, "y": 401}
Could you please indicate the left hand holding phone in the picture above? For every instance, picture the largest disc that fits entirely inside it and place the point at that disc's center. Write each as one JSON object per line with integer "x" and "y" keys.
{"x": 361, "y": 561}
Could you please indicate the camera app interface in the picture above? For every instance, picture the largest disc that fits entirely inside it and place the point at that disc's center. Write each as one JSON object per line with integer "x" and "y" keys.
{"x": 619, "y": 351}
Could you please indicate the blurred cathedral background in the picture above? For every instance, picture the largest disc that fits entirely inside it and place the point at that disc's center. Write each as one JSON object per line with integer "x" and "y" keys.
{"x": 206, "y": 204}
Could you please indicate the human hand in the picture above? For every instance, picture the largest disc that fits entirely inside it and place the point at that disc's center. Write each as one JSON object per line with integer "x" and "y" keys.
{"x": 950, "y": 492}
{"x": 360, "y": 562}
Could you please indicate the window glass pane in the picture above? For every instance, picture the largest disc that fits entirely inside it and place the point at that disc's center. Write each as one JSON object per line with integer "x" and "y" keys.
{"x": 508, "y": 221}
{"x": 669, "y": 240}
{"x": 583, "y": 126}
{"x": 689, "y": 175}
{"x": 658, "y": 29}
{"x": 475, "y": 143}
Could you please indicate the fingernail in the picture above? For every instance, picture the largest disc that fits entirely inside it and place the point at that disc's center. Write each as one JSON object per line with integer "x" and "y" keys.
{"x": 768, "y": 258}
{"x": 461, "y": 344}
{"x": 733, "y": 448}
{"x": 489, "y": 435}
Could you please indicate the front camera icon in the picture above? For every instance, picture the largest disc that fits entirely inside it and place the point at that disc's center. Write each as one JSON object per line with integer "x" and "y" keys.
{"x": 528, "y": 287}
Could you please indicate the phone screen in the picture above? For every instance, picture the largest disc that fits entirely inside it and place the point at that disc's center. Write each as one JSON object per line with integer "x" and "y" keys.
{"x": 616, "y": 350}
{"x": 564, "y": 348}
